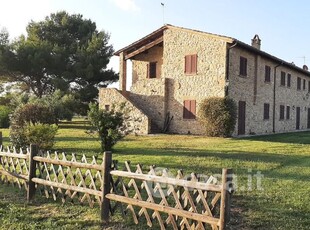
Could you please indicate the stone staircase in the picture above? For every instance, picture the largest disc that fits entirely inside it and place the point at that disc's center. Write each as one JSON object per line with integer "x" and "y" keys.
{"x": 139, "y": 122}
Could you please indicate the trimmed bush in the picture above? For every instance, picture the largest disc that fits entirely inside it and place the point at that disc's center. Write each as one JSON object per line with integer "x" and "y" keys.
{"x": 33, "y": 113}
{"x": 23, "y": 117}
{"x": 109, "y": 125}
{"x": 42, "y": 135}
{"x": 4, "y": 116}
{"x": 218, "y": 115}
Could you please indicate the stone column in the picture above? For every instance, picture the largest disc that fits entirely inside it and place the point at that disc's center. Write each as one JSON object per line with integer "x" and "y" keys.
{"x": 122, "y": 73}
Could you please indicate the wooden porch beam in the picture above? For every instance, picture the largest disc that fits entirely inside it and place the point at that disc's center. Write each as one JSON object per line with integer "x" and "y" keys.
{"x": 144, "y": 48}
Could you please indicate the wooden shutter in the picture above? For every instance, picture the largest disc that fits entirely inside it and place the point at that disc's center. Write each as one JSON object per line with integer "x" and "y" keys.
{"x": 266, "y": 111}
{"x": 288, "y": 112}
{"x": 190, "y": 64}
{"x": 297, "y": 117}
{"x": 187, "y": 64}
{"x": 282, "y": 112}
{"x": 288, "y": 80}
{"x": 186, "y": 109}
{"x": 189, "y": 109}
{"x": 192, "y": 109}
{"x": 304, "y": 84}
{"x": 298, "y": 83}
{"x": 194, "y": 63}
{"x": 241, "y": 117}
{"x": 267, "y": 73}
{"x": 308, "y": 120}
{"x": 243, "y": 66}
{"x": 283, "y": 78}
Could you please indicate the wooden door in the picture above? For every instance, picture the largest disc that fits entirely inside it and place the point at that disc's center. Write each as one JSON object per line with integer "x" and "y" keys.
{"x": 241, "y": 118}
{"x": 308, "y": 123}
{"x": 297, "y": 117}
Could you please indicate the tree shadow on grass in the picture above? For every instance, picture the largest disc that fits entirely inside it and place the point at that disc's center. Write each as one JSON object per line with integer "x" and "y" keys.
{"x": 291, "y": 138}
{"x": 282, "y": 160}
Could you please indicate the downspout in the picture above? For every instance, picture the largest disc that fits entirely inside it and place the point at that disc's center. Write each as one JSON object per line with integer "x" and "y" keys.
{"x": 227, "y": 67}
{"x": 274, "y": 98}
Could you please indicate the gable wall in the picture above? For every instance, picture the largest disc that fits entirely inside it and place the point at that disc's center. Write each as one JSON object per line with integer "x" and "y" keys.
{"x": 209, "y": 80}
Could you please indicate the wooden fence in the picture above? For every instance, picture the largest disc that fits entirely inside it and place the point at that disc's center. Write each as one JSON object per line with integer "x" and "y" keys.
{"x": 182, "y": 202}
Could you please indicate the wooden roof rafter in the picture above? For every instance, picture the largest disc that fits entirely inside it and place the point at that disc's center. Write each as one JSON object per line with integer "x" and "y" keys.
{"x": 144, "y": 48}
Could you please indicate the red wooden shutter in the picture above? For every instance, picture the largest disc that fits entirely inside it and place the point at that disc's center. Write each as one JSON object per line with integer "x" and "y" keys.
{"x": 194, "y": 63}
{"x": 190, "y": 64}
{"x": 186, "y": 109}
{"x": 187, "y": 64}
{"x": 192, "y": 109}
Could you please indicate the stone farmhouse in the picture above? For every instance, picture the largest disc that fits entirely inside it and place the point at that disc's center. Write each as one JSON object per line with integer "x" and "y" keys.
{"x": 174, "y": 69}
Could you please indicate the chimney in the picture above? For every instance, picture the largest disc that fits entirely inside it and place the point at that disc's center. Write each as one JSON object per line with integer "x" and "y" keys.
{"x": 305, "y": 67}
{"x": 256, "y": 42}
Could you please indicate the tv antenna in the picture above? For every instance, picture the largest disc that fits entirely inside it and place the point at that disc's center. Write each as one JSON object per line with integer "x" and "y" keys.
{"x": 163, "y": 6}
{"x": 303, "y": 57}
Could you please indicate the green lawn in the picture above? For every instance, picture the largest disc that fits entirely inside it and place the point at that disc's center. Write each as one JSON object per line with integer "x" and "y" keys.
{"x": 283, "y": 160}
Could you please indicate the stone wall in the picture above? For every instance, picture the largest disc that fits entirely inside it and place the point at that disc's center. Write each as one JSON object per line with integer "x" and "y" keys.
{"x": 149, "y": 95}
{"x": 209, "y": 80}
{"x": 139, "y": 122}
{"x": 243, "y": 89}
{"x": 166, "y": 93}
{"x": 140, "y": 62}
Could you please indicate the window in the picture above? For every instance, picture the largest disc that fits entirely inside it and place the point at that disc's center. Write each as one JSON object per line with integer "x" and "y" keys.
{"x": 107, "y": 107}
{"x": 243, "y": 66}
{"x": 266, "y": 111}
{"x": 289, "y": 80}
{"x": 267, "y": 73}
{"x": 308, "y": 86}
{"x": 152, "y": 70}
{"x": 191, "y": 64}
{"x": 304, "y": 85}
{"x": 282, "y": 78}
{"x": 288, "y": 112}
{"x": 189, "y": 109}
{"x": 298, "y": 83}
{"x": 281, "y": 112}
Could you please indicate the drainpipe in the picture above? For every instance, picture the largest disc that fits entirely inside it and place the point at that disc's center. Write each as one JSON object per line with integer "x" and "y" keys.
{"x": 274, "y": 98}
{"x": 227, "y": 67}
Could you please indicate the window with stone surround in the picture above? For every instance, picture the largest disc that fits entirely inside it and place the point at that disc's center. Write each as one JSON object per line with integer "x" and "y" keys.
{"x": 267, "y": 73}
{"x": 282, "y": 108}
{"x": 288, "y": 112}
{"x": 304, "y": 84}
{"x": 298, "y": 83}
{"x": 266, "y": 111}
{"x": 107, "y": 107}
{"x": 151, "y": 70}
{"x": 243, "y": 71}
{"x": 282, "y": 82}
{"x": 189, "y": 109}
{"x": 289, "y": 77}
{"x": 190, "y": 64}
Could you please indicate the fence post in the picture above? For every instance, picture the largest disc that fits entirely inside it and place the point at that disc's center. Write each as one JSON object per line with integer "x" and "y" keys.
{"x": 106, "y": 187}
{"x": 32, "y": 172}
{"x": 225, "y": 198}
{"x": 1, "y": 138}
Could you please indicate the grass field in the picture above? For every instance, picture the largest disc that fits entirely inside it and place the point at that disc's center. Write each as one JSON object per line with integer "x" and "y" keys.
{"x": 281, "y": 203}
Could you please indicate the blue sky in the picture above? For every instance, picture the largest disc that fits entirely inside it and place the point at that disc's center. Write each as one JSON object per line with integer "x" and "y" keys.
{"x": 283, "y": 26}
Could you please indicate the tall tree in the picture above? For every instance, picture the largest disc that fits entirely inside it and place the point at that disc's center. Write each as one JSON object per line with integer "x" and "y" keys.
{"x": 63, "y": 52}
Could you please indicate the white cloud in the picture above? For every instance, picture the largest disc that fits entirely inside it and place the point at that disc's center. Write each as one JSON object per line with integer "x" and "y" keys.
{"x": 127, "y": 5}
